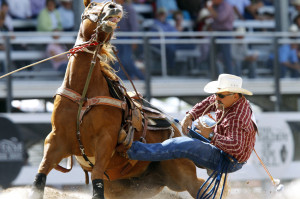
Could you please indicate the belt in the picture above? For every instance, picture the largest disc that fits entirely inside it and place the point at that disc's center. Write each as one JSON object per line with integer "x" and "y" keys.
{"x": 233, "y": 159}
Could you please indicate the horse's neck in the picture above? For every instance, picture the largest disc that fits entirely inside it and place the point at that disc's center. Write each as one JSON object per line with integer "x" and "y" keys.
{"x": 77, "y": 74}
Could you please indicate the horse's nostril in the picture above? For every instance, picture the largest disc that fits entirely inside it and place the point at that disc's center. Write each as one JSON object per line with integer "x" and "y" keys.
{"x": 111, "y": 6}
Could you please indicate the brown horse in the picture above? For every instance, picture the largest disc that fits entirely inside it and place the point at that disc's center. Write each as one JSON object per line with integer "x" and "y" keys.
{"x": 91, "y": 134}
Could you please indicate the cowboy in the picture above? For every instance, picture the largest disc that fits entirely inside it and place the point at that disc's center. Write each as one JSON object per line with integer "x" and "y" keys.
{"x": 234, "y": 132}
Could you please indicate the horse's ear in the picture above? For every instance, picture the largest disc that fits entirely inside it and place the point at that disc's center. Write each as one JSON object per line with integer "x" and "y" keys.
{"x": 86, "y": 2}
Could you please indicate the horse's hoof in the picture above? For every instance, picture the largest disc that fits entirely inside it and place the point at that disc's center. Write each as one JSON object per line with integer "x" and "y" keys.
{"x": 35, "y": 194}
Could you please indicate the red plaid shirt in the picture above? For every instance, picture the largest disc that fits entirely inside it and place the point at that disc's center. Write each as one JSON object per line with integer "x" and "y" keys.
{"x": 235, "y": 134}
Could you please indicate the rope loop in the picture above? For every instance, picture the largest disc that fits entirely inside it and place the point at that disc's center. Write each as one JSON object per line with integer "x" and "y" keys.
{"x": 80, "y": 48}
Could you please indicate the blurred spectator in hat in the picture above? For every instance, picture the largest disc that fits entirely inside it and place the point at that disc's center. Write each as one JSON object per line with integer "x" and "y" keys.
{"x": 171, "y": 7}
{"x": 36, "y": 7}
{"x": 243, "y": 57}
{"x": 288, "y": 57}
{"x": 19, "y": 9}
{"x": 67, "y": 15}
{"x": 223, "y": 17}
{"x": 8, "y": 22}
{"x": 161, "y": 24}
{"x": 204, "y": 20}
{"x": 49, "y": 18}
{"x": 129, "y": 23}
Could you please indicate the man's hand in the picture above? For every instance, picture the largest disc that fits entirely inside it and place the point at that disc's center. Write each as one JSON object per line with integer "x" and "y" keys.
{"x": 203, "y": 130}
{"x": 186, "y": 122}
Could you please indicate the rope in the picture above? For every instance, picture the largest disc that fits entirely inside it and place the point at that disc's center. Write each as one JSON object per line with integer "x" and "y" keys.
{"x": 17, "y": 70}
{"x": 213, "y": 187}
{"x": 217, "y": 122}
{"x": 266, "y": 169}
{"x": 125, "y": 72}
{"x": 71, "y": 51}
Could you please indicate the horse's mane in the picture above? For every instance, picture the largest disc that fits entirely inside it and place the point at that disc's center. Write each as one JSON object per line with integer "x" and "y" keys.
{"x": 108, "y": 58}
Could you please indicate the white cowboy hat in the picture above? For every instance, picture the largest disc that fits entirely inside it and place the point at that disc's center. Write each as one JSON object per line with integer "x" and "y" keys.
{"x": 293, "y": 28}
{"x": 203, "y": 13}
{"x": 226, "y": 83}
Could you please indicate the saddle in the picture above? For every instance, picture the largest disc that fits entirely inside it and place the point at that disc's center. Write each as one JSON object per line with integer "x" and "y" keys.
{"x": 140, "y": 115}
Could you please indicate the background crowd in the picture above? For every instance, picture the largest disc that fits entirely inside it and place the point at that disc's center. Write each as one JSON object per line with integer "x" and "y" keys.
{"x": 167, "y": 16}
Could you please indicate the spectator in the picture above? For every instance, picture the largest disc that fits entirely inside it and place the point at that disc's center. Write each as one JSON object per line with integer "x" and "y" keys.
{"x": 204, "y": 20}
{"x": 128, "y": 24}
{"x": 67, "y": 15}
{"x": 296, "y": 9}
{"x": 170, "y": 6}
{"x": 3, "y": 28}
{"x": 239, "y": 7}
{"x": 37, "y": 6}
{"x": 49, "y": 18}
{"x": 160, "y": 24}
{"x": 19, "y": 9}
{"x": 178, "y": 18}
{"x": 7, "y": 18}
{"x": 223, "y": 16}
{"x": 252, "y": 11}
{"x": 296, "y": 21}
{"x": 59, "y": 63}
{"x": 243, "y": 57}
{"x": 288, "y": 57}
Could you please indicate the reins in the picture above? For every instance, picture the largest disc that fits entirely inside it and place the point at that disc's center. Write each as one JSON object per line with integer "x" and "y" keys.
{"x": 87, "y": 82}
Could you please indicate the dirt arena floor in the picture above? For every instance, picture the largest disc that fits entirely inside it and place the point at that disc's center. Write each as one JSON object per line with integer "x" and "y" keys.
{"x": 237, "y": 191}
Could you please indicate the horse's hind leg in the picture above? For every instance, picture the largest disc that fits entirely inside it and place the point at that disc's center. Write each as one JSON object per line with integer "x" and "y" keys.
{"x": 54, "y": 152}
{"x": 180, "y": 175}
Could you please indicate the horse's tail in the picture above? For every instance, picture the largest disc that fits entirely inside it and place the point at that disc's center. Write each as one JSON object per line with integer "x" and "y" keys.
{"x": 69, "y": 166}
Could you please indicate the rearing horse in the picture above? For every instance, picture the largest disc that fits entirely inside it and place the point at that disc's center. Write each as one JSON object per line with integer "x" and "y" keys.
{"x": 86, "y": 122}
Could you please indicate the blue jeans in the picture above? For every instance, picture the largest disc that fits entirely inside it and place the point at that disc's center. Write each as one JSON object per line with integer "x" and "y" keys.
{"x": 201, "y": 153}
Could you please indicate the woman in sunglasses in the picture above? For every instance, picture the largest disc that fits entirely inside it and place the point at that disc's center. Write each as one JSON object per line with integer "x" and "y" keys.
{"x": 234, "y": 131}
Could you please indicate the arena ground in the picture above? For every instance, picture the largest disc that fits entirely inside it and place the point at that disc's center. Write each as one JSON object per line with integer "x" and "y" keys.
{"x": 243, "y": 190}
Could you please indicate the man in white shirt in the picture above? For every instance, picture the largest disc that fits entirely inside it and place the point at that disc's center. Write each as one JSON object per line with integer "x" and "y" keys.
{"x": 67, "y": 15}
{"x": 19, "y": 9}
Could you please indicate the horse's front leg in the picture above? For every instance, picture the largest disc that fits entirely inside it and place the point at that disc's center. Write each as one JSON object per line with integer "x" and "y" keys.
{"x": 54, "y": 151}
{"x": 104, "y": 150}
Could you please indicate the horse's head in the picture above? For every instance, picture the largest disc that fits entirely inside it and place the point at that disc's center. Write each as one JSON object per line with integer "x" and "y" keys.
{"x": 99, "y": 20}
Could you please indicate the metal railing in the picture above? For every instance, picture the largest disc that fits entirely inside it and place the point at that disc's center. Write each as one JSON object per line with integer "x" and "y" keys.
{"x": 147, "y": 40}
